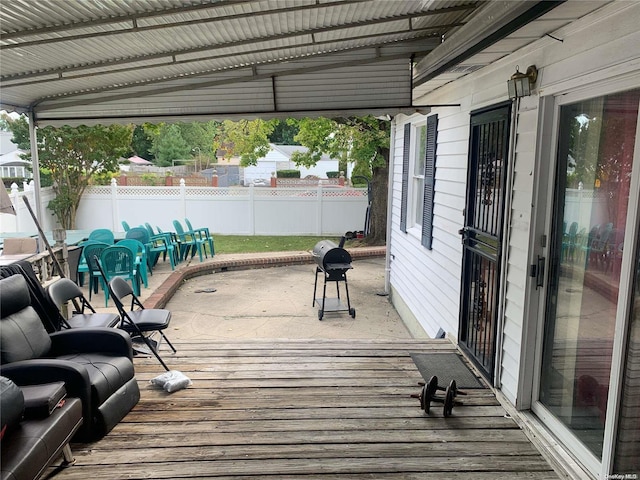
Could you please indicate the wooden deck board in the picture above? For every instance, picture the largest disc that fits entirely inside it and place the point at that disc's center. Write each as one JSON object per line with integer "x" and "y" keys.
{"x": 316, "y": 409}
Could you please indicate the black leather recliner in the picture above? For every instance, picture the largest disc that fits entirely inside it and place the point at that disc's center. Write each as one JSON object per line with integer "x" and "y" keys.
{"x": 95, "y": 363}
{"x": 37, "y": 424}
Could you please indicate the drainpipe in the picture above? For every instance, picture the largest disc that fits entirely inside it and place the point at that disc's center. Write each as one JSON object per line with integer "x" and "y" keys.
{"x": 387, "y": 264}
{"x": 504, "y": 255}
{"x": 35, "y": 165}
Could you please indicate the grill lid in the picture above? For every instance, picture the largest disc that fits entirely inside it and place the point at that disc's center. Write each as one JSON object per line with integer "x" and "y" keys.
{"x": 329, "y": 256}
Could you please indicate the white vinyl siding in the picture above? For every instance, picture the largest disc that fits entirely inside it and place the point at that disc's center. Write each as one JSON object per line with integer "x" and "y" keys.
{"x": 429, "y": 281}
{"x": 518, "y": 241}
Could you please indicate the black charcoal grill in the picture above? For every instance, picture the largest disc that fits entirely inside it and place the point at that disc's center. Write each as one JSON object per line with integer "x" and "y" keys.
{"x": 333, "y": 262}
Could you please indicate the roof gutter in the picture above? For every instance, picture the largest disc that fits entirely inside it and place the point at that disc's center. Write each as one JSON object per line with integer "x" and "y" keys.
{"x": 492, "y": 23}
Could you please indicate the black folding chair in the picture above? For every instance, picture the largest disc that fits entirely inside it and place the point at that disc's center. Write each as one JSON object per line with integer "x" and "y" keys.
{"x": 83, "y": 314}
{"x": 138, "y": 321}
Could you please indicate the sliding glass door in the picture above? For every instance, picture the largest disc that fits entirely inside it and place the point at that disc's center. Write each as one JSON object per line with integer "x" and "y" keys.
{"x": 595, "y": 161}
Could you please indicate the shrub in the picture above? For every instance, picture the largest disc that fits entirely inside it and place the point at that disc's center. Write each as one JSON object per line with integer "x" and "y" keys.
{"x": 46, "y": 179}
{"x": 103, "y": 178}
{"x": 150, "y": 179}
{"x": 288, "y": 173}
{"x": 9, "y": 180}
{"x": 358, "y": 182}
{"x": 333, "y": 174}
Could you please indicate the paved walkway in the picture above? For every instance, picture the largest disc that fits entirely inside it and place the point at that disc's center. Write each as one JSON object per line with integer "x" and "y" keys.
{"x": 269, "y": 295}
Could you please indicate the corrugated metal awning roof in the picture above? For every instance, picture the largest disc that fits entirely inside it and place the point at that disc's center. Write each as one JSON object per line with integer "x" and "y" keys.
{"x": 80, "y": 62}
{"x": 101, "y": 61}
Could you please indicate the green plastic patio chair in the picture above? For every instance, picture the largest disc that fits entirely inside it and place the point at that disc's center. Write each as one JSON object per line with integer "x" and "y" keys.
{"x": 118, "y": 261}
{"x": 90, "y": 252}
{"x": 140, "y": 252}
{"x": 204, "y": 234}
{"x": 165, "y": 241}
{"x": 154, "y": 246}
{"x": 102, "y": 235}
{"x": 82, "y": 262}
{"x": 189, "y": 242}
{"x": 173, "y": 240}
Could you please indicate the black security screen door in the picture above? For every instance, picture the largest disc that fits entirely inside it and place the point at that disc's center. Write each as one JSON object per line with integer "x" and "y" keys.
{"x": 482, "y": 235}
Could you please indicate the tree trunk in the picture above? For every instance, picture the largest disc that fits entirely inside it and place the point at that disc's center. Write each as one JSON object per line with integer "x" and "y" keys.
{"x": 379, "y": 192}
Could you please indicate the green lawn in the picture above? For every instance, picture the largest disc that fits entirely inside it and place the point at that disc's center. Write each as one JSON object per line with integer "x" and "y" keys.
{"x": 249, "y": 244}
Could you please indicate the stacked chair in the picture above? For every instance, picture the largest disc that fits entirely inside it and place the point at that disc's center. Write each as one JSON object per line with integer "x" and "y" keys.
{"x": 173, "y": 239}
{"x": 166, "y": 243}
{"x": 99, "y": 235}
{"x": 118, "y": 261}
{"x": 140, "y": 253}
{"x": 90, "y": 250}
{"x": 203, "y": 232}
{"x": 154, "y": 245}
{"x": 190, "y": 242}
{"x": 103, "y": 235}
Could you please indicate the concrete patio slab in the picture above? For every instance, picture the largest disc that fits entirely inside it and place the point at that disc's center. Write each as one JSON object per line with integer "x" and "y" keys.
{"x": 263, "y": 296}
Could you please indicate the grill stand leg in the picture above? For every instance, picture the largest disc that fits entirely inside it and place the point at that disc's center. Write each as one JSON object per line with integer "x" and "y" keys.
{"x": 315, "y": 287}
{"x": 324, "y": 296}
{"x": 346, "y": 289}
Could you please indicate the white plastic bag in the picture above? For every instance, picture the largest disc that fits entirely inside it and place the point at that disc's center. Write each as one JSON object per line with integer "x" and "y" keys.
{"x": 171, "y": 381}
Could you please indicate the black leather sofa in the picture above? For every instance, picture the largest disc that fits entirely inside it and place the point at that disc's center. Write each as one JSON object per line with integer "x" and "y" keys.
{"x": 96, "y": 364}
{"x": 37, "y": 425}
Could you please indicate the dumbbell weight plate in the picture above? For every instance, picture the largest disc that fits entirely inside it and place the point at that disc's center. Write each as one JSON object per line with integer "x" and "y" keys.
{"x": 448, "y": 402}
{"x": 422, "y": 397}
{"x": 454, "y": 387}
{"x": 429, "y": 393}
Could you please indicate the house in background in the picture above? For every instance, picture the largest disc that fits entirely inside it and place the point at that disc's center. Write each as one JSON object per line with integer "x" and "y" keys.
{"x": 515, "y": 226}
{"x": 279, "y": 158}
{"x": 11, "y": 165}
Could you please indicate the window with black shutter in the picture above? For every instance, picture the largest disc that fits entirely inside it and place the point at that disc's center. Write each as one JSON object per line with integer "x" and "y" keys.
{"x": 429, "y": 181}
{"x": 406, "y": 155}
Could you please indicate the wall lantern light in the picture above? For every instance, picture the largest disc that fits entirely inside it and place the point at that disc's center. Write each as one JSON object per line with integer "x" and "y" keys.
{"x": 519, "y": 84}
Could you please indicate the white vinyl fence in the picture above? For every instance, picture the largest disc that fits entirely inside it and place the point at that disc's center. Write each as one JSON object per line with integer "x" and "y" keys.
{"x": 22, "y": 221}
{"x": 322, "y": 211}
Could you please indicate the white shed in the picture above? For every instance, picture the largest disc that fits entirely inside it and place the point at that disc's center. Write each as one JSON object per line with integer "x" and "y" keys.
{"x": 279, "y": 158}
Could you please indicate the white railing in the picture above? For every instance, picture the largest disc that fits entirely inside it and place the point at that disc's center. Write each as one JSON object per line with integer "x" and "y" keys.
{"x": 318, "y": 210}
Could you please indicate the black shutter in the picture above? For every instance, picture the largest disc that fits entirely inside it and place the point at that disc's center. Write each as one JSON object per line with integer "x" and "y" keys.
{"x": 429, "y": 180}
{"x": 405, "y": 176}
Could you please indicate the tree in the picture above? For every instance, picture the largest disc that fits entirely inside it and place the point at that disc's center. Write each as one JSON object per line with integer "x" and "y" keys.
{"x": 247, "y": 138}
{"x": 4, "y": 122}
{"x": 142, "y": 143}
{"x": 19, "y": 127}
{"x": 181, "y": 141}
{"x": 284, "y": 133}
{"x": 169, "y": 145}
{"x": 361, "y": 140}
{"x": 200, "y": 137}
{"x": 72, "y": 156}
{"x": 364, "y": 141}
